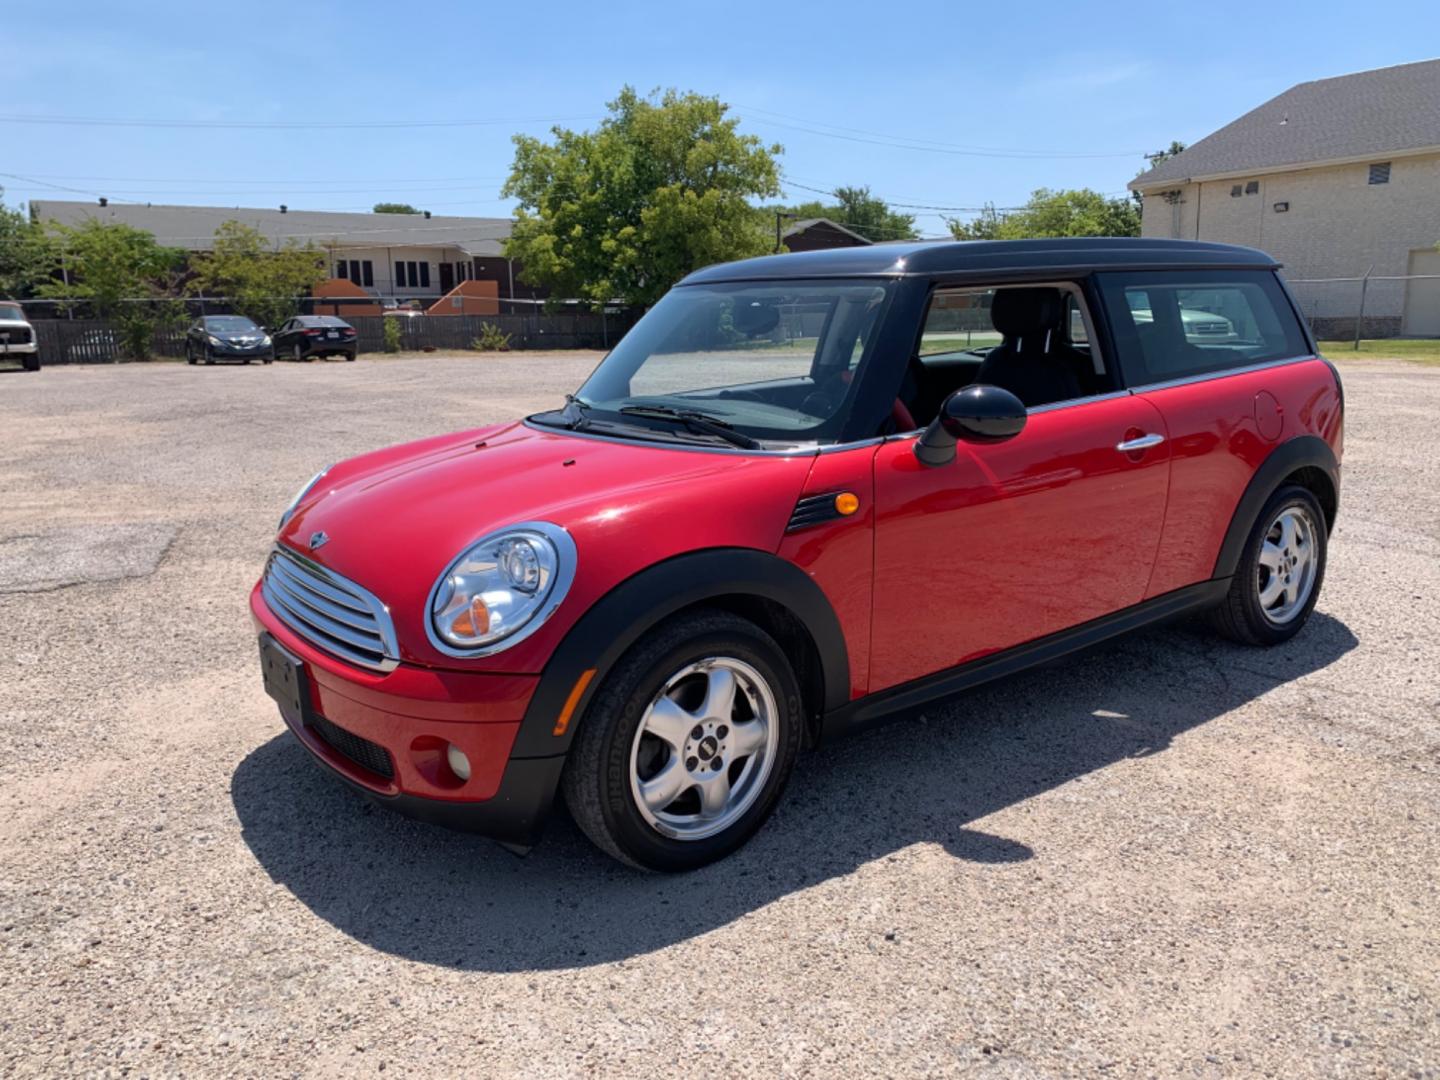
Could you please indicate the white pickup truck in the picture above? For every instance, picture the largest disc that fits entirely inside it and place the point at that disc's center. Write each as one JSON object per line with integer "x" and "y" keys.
{"x": 17, "y": 336}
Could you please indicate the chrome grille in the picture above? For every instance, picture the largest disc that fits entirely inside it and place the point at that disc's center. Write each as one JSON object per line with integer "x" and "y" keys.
{"x": 329, "y": 611}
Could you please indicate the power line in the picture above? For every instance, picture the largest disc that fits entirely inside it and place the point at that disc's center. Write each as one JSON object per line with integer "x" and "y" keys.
{"x": 281, "y": 125}
{"x": 270, "y": 180}
{"x": 876, "y": 138}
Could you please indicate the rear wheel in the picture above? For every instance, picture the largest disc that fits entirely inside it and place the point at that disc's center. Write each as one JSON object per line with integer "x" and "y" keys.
{"x": 349, "y": 356}
{"x": 687, "y": 746}
{"x": 1280, "y": 573}
{"x": 298, "y": 353}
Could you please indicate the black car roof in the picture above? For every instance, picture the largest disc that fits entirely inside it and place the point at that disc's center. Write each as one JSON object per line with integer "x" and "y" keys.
{"x": 988, "y": 256}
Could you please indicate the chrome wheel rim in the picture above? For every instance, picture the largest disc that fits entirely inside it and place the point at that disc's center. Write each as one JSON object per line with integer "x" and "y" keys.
{"x": 1287, "y": 566}
{"x": 704, "y": 748}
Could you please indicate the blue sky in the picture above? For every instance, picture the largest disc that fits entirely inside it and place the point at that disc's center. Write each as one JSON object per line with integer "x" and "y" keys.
{"x": 1033, "y": 94}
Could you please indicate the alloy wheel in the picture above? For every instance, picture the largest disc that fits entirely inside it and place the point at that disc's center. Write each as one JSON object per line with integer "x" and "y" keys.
{"x": 704, "y": 748}
{"x": 1286, "y": 565}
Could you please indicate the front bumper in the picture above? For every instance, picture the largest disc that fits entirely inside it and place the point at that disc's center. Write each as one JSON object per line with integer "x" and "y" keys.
{"x": 18, "y": 348}
{"x": 228, "y": 349}
{"x": 410, "y": 714}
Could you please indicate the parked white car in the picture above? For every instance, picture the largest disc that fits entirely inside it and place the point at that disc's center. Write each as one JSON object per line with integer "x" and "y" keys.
{"x": 17, "y": 336}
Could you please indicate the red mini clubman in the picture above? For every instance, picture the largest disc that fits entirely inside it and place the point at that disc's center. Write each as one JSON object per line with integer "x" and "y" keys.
{"x": 805, "y": 493}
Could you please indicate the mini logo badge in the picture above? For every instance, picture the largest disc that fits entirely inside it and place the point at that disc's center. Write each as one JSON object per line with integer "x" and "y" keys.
{"x": 318, "y": 539}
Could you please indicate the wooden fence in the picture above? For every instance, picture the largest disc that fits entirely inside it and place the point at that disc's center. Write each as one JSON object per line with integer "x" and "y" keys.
{"x": 97, "y": 341}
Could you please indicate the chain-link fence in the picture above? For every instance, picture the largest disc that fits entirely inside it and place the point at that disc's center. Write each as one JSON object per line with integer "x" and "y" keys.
{"x": 1370, "y": 307}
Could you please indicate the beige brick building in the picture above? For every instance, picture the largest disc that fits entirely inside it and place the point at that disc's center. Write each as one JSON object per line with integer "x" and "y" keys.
{"x": 1336, "y": 178}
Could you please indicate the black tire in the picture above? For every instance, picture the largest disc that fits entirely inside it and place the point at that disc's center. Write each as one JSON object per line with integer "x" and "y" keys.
{"x": 1241, "y": 616}
{"x": 30, "y": 362}
{"x": 350, "y": 356}
{"x": 596, "y": 780}
{"x": 269, "y": 359}
{"x": 209, "y": 356}
{"x": 189, "y": 353}
{"x": 299, "y": 354}
{"x": 246, "y": 361}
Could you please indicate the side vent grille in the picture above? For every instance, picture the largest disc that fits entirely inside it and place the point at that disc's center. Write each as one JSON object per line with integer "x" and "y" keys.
{"x": 813, "y": 510}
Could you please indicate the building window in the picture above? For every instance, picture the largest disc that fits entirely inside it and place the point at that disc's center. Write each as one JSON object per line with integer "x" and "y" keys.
{"x": 1236, "y": 191}
{"x": 424, "y": 274}
{"x": 367, "y": 271}
{"x": 355, "y": 271}
{"x": 1380, "y": 173}
{"x": 1252, "y": 187}
{"x": 399, "y": 275}
{"x": 340, "y": 269}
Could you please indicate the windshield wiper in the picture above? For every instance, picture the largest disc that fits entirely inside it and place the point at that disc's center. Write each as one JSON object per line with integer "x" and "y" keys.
{"x": 575, "y": 413}
{"x": 695, "y": 421}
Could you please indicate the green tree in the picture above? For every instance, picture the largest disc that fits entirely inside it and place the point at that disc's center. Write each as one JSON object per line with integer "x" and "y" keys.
{"x": 1159, "y": 157}
{"x": 25, "y": 254}
{"x": 120, "y": 273}
{"x": 394, "y": 208}
{"x": 260, "y": 280}
{"x": 660, "y": 188}
{"x": 1079, "y": 212}
{"x": 870, "y": 216}
{"x": 853, "y": 207}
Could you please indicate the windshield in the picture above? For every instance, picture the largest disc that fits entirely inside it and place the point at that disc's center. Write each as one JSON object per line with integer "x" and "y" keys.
{"x": 230, "y": 324}
{"x": 774, "y": 361}
{"x": 11, "y": 311}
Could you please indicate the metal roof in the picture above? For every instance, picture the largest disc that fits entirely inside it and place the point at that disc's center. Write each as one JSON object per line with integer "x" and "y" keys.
{"x": 809, "y": 223}
{"x": 986, "y": 256}
{"x": 1369, "y": 114}
{"x": 193, "y": 227}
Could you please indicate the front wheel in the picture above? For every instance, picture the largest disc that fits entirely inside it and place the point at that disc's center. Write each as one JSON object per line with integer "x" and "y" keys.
{"x": 687, "y": 746}
{"x": 1281, "y": 569}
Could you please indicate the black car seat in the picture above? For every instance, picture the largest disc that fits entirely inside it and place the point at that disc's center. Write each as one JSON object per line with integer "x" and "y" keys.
{"x": 1032, "y": 362}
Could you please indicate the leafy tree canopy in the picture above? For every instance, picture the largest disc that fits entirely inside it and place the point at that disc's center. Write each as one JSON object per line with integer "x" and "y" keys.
{"x": 853, "y": 207}
{"x": 121, "y": 274}
{"x": 25, "y": 255}
{"x": 1079, "y": 212}
{"x": 660, "y": 188}
{"x": 394, "y": 208}
{"x": 260, "y": 280}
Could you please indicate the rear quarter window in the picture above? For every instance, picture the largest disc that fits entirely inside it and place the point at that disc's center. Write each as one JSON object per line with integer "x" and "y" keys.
{"x": 1177, "y": 324}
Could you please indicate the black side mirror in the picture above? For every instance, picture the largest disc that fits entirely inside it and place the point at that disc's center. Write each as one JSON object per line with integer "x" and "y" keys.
{"x": 977, "y": 413}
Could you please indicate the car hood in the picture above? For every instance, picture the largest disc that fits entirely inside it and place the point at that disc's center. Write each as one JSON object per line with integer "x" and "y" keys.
{"x": 395, "y": 519}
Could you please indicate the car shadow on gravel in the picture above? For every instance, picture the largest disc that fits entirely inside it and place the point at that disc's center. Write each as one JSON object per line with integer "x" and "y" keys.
{"x": 460, "y": 901}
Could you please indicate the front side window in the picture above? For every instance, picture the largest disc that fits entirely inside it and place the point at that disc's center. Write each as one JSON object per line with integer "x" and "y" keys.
{"x": 1171, "y": 325}
{"x": 772, "y": 361}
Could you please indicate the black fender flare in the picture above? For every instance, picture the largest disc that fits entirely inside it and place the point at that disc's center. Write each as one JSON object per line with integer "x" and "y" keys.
{"x": 1301, "y": 452}
{"x": 616, "y": 621}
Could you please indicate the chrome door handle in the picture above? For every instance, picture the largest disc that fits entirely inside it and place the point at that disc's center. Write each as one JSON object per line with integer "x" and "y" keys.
{"x": 1144, "y": 442}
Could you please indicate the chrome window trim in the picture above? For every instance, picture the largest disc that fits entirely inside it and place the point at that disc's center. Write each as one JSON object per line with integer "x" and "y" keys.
{"x": 1207, "y": 376}
{"x": 1070, "y": 403}
{"x": 564, "y": 578}
{"x": 306, "y": 615}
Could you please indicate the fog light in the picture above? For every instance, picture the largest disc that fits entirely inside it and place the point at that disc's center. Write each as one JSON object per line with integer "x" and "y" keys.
{"x": 459, "y": 763}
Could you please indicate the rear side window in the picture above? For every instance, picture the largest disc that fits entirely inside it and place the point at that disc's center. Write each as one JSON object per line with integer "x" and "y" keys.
{"x": 1175, "y": 324}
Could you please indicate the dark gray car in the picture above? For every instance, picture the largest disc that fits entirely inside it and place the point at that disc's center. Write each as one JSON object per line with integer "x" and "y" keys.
{"x": 308, "y": 336}
{"x": 227, "y": 337}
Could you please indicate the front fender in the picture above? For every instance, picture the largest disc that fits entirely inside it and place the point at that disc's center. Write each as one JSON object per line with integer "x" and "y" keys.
{"x": 617, "y": 620}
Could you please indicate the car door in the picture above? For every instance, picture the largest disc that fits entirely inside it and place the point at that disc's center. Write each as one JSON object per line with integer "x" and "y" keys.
{"x": 281, "y": 337}
{"x": 1017, "y": 539}
{"x": 1214, "y": 351}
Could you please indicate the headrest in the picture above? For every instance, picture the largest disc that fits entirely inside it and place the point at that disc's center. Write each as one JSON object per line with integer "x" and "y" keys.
{"x": 1026, "y": 312}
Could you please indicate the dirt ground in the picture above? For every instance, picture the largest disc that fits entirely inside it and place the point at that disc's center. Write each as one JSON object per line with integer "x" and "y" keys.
{"x": 1167, "y": 856}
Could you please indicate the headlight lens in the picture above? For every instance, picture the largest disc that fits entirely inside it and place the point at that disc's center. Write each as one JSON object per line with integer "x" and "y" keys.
{"x": 290, "y": 510}
{"x": 215, "y": 340}
{"x": 501, "y": 589}
{"x": 265, "y": 340}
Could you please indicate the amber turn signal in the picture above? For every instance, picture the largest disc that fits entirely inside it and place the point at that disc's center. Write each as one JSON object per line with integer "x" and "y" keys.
{"x": 472, "y": 621}
{"x": 846, "y": 503}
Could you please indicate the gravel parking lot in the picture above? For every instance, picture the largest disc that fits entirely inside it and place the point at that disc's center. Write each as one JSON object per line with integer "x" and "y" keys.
{"x": 1167, "y": 856}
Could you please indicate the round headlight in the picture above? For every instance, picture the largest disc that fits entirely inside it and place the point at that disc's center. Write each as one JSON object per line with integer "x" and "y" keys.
{"x": 501, "y": 589}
